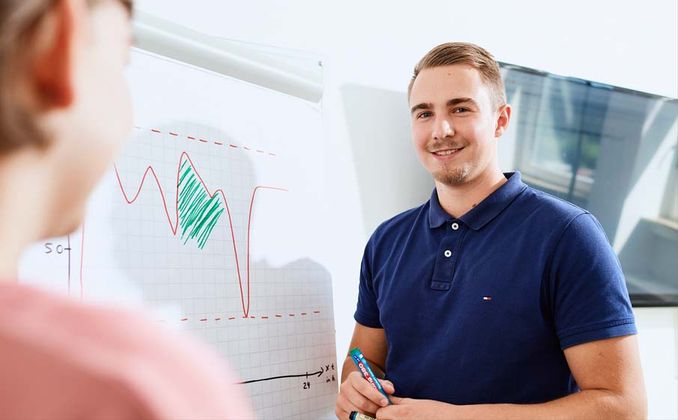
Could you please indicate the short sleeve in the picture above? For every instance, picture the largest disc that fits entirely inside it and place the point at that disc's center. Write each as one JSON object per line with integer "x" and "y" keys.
{"x": 367, "y": 311}
{"x": 588, "y": 292}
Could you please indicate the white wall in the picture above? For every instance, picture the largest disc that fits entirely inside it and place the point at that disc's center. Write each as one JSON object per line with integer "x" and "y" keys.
{"x": 369, "y": 49}
{"x": 658, "y": 330}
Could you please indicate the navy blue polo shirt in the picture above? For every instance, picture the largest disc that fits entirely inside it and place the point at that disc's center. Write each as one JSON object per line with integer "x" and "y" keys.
{"x": 479, "y": 309}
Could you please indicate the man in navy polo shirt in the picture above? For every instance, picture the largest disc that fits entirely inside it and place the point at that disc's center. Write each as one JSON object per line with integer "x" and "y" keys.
{"x": 492, "y": 299}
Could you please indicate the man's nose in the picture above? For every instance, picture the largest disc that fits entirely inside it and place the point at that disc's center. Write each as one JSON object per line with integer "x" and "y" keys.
{"x": 442, "y": 129}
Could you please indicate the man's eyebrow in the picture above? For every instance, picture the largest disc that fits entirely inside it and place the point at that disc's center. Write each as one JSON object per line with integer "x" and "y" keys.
{"x": 421, "y": 106}
{"x": 457, "y": 101}
{"x": 451, "y": 102}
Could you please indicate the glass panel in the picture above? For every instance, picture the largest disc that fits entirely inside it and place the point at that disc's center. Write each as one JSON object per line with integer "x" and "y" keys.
{"x": 611, "y": 151}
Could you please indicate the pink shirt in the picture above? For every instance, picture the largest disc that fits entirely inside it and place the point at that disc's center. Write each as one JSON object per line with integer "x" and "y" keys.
{"x": 60, "y": 359}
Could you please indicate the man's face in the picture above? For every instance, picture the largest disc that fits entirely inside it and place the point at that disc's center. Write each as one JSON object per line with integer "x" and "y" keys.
{"x": 454, "y": 123}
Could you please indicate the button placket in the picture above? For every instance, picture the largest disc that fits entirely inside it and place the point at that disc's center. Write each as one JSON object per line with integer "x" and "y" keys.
{"x": 445, "y": 261}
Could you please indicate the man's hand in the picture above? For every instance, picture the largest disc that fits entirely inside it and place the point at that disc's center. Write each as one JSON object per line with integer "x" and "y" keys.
{"x": 409, "y": 408}
{"x": 357, "y": 394}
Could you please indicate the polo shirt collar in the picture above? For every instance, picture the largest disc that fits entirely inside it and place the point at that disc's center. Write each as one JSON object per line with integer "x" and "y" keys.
{"x": 484, "y": 212}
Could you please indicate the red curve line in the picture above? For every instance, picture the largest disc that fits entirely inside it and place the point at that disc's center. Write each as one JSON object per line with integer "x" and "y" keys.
{"x": 175, "y": 225}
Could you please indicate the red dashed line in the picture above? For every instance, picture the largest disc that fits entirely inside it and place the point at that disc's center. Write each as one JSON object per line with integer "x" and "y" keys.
{"x": 218, "y": 143}
{"x": 231, "y": 318}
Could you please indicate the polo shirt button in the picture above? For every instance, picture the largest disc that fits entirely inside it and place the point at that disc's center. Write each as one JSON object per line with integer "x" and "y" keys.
{"x": 455, "y": 226}
{"x": 447, "y": 253}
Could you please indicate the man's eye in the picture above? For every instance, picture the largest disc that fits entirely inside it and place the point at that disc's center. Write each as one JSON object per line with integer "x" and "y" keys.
{"x": 424, "y": 114}
{"x": 459, "y": 110}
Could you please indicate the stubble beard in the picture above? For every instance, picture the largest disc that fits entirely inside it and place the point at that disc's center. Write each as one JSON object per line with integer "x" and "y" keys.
{"x": 453, "y": 176}
{"x": 450, "y": 175}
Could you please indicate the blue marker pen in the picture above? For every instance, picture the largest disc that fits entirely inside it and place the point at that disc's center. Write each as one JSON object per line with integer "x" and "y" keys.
{"x": 367, "y": 373}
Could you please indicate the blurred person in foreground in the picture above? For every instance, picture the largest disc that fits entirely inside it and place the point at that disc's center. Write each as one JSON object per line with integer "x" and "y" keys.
{"x": 64, "y": 112}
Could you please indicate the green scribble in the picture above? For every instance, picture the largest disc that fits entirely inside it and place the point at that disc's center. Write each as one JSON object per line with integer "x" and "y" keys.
{"x": 198, "y": 212}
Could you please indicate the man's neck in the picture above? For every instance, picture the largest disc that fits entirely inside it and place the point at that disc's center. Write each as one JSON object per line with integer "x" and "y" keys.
{"x": 457, "y": 200}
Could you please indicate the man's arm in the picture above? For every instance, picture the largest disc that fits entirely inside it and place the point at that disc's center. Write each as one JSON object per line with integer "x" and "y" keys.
{"x": 372, "y": 343}
{"x": 607, "y": 371}
{"x": 355, "y": 393}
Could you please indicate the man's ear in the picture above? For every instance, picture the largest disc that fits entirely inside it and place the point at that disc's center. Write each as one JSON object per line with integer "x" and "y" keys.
{"x": 503, "y": 119}
{"x": 53, "y": 62}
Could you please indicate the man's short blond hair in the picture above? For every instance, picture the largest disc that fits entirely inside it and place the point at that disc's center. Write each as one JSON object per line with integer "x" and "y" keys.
{"x": 465, "y": 53}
